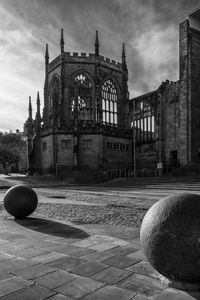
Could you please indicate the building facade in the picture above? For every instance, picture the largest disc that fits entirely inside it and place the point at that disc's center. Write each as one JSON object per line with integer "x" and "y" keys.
{"x": 167, "y": 120}
{"x": 89, "y": 121}
{"x": 85, "y": 122}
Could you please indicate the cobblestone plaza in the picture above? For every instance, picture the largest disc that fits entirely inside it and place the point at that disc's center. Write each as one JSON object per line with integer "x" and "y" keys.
{"x": 65, "y": 251}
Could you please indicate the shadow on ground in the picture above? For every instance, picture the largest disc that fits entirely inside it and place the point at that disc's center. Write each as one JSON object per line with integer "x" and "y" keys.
{"x": 52, "y": 228}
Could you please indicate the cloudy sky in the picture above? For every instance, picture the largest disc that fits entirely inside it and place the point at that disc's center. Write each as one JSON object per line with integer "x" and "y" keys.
{"x": 148, "y": 27}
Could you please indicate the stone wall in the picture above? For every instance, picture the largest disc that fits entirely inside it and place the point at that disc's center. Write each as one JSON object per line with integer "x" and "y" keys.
{"x": 117, "y": 153}
{"x": 184, "y": 96}
{"x": 90, "y": 154}
{"x": 170, "y": 121}
{"x": 194, "y": 76}
{"x": 65, "y": 156}
{"x": 47, "y": 162}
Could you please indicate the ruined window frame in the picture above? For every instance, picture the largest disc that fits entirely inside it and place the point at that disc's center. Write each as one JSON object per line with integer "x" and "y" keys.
{"x": 81, "y": 92}
{"x": 109, "y": 97}
{"x": 144, "y": 121}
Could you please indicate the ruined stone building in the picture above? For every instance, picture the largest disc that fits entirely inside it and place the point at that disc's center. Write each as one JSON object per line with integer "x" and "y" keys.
{"x": 167, "y": 120}
{"x": 85, "y": 117}
{"x": 88, "y": 118}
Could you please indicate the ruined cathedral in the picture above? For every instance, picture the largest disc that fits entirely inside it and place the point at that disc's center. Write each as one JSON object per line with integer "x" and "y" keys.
{"x": 85, "y": 121}
{"x": 89, "y": 122}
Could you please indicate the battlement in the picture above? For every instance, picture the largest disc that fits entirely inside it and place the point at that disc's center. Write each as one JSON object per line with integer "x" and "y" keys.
{"x": 110, "y": 61}
{"x": 170, "y": 84}
{"x": 194, "y": 19}
{"x": 84, "y": 56}
{"x": 78, "y": 55}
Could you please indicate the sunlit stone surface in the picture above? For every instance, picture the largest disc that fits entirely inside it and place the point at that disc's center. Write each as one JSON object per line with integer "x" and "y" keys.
{"x": 170, "y": 237}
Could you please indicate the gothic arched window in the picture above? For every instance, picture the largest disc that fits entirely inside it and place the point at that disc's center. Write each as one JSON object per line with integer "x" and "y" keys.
{"x": 109, "y": 103}
{"x": 54, "y": 102}
{"x": 54, "y": 93}
{"x": 80, "y": 94}
{"x": 144, "y": 121}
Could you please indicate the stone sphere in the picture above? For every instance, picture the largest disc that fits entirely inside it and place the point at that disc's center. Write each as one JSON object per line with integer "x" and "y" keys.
{"x": 170, "y": 237}
{"x": 20, "y": 201}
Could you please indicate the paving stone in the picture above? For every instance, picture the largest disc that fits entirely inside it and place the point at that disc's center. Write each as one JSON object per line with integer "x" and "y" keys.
{"x": 74, "y": 251}
{"x": 66, "y": 240}
{"x": 142, "y": 267}
{"x": 104, "y": 246}
{"x": 55, "y": 279}
{"x": 47, "y": 245}
{"x": 140, "y": 297}
{"x": 15, "y": 238}
{"x": 119, "y": 242}
{"x": 60, "y": 297}
{"x": 111, "y": 275}
{"x": 89, "y": 268}
{"x": 48, "y": 257}
{"x": 66, "y": 263}
{"x": 16, "y": 264}
{"x": 34, "y": 292}
{"x": 110, "y": 293}
{"x": 5, "y": 275}
{"x": 35, "y": 271}
{"x": 57, "y": 239}
{"x": 141, "y": 284}
{"x": 173, "y": 294}
{"x": 13, "y": 248}
{"x": 79, "y": 287}
{"x": 119, "y": 261}
{"x": 3, "y": 242}
{"x": 12, "y": 284}
{"x": 125, "y": 249}
{"x": 98, "y": 239}
{"x": 97, "y": 256}
{"x": 137, "y": 255}
{"x": 85, "y": 243}
{"x": 5, "y": 256}
{"x": 31, "y": 252}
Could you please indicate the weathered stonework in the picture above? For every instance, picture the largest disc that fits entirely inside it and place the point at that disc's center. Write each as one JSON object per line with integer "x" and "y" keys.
{"x": 176, "y": 108}
{"x": 85, "y": 122}
{"x": 89, "y": 122}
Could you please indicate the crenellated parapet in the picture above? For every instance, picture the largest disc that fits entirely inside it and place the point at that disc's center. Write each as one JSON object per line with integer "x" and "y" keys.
{"x": 75, "y": 57}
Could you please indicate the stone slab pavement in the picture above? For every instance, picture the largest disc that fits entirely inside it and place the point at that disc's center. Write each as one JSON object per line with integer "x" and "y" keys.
{"x": 45, "y": 259}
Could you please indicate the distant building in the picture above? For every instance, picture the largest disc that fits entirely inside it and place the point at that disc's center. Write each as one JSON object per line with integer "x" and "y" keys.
{"x": 85, "y": 122}
{"x": 19, "y": 148}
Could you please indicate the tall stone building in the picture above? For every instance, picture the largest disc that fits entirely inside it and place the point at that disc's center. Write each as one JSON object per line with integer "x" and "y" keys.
{"x": 167, "y": 120}
{"x": 85, "y": 122}
{"x": 88, "y": 118}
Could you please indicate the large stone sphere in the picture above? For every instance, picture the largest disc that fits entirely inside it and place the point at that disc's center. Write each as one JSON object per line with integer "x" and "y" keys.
{"x": 170, "y": 237}
{"x": 20, "y": 201}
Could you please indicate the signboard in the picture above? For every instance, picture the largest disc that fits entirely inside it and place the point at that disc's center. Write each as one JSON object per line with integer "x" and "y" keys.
{"x": 159, "y": 165}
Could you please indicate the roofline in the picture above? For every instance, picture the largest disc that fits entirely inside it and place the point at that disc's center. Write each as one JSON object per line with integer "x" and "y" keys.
{"x": 144, "y": 95}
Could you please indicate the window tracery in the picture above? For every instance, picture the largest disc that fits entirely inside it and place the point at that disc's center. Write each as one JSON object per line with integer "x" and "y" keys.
{"x": 144, "y": 121}
{"x": 80, "y": 94}
{"x": 54, "y": 102}
{"x": 109, "y": 103}
{"x": 54, "y": 94}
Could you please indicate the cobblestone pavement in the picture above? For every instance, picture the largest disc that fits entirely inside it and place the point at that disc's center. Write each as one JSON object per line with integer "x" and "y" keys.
{"x": 92, "y": 252}
{"x": 94, "y": 214}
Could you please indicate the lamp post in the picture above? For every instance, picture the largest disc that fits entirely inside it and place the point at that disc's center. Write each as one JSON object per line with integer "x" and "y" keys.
{"x": 134, "y": 150}
{"x": 160, "y": 165}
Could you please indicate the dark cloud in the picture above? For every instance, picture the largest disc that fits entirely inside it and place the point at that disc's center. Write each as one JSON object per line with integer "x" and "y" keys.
{"x": 148, "y": 27}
